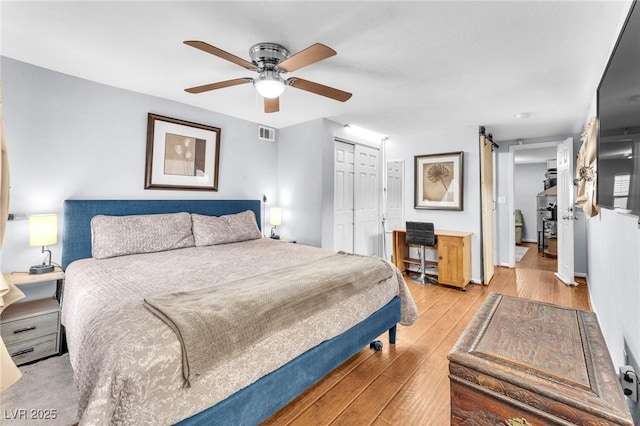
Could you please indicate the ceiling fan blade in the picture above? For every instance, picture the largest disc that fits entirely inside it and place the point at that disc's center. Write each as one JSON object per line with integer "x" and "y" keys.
{"x": 308, "y": 56}
{"x": 319, "y": 89}
{"x": 218, "y": 85}
{"x": 271, "y": 105}
{"x": 221, "y": 54}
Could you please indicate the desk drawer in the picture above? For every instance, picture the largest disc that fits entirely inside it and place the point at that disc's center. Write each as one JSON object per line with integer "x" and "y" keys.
{"x": 29, "y": 328}
{"x": 31, "y": 350}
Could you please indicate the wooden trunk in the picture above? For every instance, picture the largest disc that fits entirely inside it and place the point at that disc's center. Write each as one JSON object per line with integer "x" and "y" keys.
{"x": 521, "y": 362}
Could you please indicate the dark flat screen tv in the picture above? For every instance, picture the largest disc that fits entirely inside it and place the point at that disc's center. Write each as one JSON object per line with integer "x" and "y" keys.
{"x": 618, "y": 98}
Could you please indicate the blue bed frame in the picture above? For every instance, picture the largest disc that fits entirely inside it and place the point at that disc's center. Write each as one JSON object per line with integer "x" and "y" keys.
{"x": 260, "y": 400}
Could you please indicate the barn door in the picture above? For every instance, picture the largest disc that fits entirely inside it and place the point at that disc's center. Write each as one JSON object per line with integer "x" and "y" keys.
{"x": 488, "y": 207}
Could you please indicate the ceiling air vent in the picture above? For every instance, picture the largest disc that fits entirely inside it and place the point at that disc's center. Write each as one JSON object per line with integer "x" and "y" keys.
{"x": 266, "y": 133}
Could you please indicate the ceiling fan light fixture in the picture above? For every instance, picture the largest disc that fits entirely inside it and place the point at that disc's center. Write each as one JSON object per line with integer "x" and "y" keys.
{"x": 269, "y": 84}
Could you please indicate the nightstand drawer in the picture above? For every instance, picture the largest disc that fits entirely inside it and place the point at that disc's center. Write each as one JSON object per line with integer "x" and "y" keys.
{"x": 29, "y": 328}
{"x": 33, "y": 349}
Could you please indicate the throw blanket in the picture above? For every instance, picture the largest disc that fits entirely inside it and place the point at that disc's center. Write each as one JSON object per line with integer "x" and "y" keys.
{"x": 218, "y": 322}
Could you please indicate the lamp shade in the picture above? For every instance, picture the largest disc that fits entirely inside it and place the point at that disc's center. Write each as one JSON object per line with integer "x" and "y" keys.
{"x": 43, "y": 229}
{"x": 275, "y": 216}
{"x": 269, "y": 84}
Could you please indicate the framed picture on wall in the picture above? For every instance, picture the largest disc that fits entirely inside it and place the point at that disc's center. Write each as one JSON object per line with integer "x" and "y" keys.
{"x": 181, "y": 154}
{"x": 438, "y": 181}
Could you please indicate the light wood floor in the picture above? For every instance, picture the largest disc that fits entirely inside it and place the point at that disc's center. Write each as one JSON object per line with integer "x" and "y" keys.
{"x": 407, "y": 384}
{"x": 533, "y": 259}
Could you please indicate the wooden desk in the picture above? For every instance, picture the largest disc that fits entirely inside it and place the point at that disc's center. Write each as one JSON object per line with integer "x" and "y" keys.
{"x": 454, "y": 256}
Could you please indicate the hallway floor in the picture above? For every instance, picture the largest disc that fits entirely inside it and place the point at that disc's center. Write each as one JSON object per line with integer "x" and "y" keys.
{"x": 533, "y": 259}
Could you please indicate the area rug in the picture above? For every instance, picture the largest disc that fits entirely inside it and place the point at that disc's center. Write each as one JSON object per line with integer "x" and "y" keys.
{"x": 520, "y": 252}
{"x": 45, "y": 395}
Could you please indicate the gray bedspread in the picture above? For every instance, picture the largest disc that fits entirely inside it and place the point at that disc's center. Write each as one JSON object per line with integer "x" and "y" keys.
{"x": 216, "y": 323}
{"x": 127, "y": 363}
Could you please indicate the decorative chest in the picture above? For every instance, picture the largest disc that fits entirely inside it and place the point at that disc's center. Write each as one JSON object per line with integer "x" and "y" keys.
{"x": 521, "y": 362}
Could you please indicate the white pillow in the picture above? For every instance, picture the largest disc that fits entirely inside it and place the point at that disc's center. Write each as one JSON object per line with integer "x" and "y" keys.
{"x": 113, "y": 236}
{"x": 212, "y": 230}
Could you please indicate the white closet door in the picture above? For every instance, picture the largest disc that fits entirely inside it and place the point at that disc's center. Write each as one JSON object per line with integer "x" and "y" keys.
{"x": 395, "y": 189}
{"x": 394, "y": 214}
{"x": 343, "y": 196}
{"x": 367, "y": 201}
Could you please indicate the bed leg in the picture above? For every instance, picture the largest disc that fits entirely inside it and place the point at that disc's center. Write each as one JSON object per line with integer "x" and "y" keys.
{"x": 392, "y": 335}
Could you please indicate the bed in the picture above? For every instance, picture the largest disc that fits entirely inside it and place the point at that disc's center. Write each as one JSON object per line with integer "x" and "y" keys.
{"x": 129, "y": 364}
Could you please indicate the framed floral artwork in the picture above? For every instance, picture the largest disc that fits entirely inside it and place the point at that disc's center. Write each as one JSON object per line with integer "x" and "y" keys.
{"x": 181, "y": 154}
{"x": 438, "y": 181}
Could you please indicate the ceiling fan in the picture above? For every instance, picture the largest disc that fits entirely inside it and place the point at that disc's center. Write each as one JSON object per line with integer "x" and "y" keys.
{"x": 270, "y": 60}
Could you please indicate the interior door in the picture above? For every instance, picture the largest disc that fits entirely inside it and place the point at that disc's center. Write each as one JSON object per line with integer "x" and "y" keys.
{"x": 488, "y": 207}
{"x": 367, "y": 201}
{"x": 344, "y": 167}
{"x": 566, "y": 214}
{"x": 394, "y": 210}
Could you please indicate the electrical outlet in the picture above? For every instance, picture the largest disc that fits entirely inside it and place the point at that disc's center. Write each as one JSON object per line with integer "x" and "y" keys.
{"x": 629, "y": 382}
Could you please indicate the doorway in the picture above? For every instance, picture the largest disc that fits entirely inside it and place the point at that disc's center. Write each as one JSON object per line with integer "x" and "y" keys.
{"x": 532, "y": 235}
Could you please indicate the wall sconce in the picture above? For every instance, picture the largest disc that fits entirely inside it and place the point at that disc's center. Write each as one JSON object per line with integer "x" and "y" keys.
{"x": 275, "y": 220}
{"x": 43, "y": 231}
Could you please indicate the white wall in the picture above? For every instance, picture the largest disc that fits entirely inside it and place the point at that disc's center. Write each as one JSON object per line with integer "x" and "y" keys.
{"x": 529, "y": 181}
{"x": 461, "y": 139}
{"x": 613, "y": 245}
{"x": 72, "y": 138}
{"x": 300, "y": 177}
{"x": 613, "y": 248}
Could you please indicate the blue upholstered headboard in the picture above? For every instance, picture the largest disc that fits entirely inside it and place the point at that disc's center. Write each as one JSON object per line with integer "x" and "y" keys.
{"x": 76, "y": 234}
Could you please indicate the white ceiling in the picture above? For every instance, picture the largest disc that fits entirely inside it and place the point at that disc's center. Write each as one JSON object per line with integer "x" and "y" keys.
{"x": 535, "y": 155}
{"x": 411, "y": 66}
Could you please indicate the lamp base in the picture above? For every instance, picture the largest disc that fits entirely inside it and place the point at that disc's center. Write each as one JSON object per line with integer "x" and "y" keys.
{"x": 41, "y": 269}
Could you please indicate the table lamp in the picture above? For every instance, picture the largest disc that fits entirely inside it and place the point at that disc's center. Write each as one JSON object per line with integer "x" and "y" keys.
{"x": 43, "y": 231}
{"x": 275, "y": 219}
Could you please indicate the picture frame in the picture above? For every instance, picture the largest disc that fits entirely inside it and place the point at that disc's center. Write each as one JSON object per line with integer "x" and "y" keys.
{"x": 439, "y": 181}
{"x": 181, "y": 155}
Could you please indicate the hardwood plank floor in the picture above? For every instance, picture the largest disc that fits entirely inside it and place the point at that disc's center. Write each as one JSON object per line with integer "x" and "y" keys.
{"x": 407, "y": 383}
{"x": 533, "y": 259}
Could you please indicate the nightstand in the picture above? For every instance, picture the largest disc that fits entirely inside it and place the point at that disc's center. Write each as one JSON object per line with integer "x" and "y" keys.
{"x": 31, "y": 330}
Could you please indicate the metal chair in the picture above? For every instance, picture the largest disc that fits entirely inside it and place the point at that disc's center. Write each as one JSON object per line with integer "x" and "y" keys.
{"x": 422, "y": 234}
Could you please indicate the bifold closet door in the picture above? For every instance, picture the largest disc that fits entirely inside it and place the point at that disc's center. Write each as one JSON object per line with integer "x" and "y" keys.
{"x": 357, "y": 199}
{"x": 343, "y": 187}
